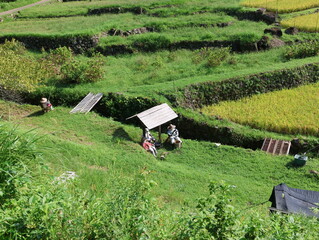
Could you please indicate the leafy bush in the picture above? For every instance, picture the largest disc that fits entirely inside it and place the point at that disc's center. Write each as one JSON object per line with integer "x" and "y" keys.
{"x": 19, "y": 72}
{"x": 302, "y": 50}
{"x": 15, "y": 151}
{"x": 59, "y": 210}
{"x": 212, "y": 57}
{"x": 215, "y": 217}
{"x": 65, "y": 68}
{"x": 54, "y": 212}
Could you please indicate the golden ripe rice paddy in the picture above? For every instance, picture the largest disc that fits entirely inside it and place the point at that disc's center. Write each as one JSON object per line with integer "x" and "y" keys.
{"x": 309, "y": 23}
{"x": 282, "y": 5}
{"x": 293, "y": 111}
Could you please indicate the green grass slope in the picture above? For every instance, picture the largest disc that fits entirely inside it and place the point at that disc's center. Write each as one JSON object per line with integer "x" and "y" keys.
{"x": 98, "y": 149}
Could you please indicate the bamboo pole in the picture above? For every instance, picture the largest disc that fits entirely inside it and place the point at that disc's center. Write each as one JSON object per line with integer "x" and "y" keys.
{"x": 160, "y": 133}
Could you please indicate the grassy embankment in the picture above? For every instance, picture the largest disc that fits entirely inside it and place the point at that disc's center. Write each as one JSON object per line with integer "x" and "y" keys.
{"x": 97, "y": 149}
{"x": 157, "y": 8}
{"x": 5, "y": 6}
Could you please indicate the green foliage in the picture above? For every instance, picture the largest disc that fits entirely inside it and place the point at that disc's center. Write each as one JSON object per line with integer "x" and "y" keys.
{"x": 19, "y": 72}
{"x": 3, "y": 1}
{"x": 55, "y": 212}
{"x": 59, "y": 56}
{"x": 302, "y": 50}
{"x": 65, "y": 68}
{"x": 152, "y": 42}
{"x": 215, "y": 217}
{"x": 200, "y": 94}
{"x": 79, "y": 43}
{"x": 61, "y": 210}
{"x": 212, "y": 56}
{"x": 16, "y": 151}
{"x": 15, "y": 46}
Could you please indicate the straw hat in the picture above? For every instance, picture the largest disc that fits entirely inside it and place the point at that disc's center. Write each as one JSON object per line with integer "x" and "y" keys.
{"x": 43, "y": 100}
{"x": 171, "y": 126}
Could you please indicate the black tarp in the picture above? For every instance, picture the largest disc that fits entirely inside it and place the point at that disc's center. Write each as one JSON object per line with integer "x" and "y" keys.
{"x": 293, "y": 200}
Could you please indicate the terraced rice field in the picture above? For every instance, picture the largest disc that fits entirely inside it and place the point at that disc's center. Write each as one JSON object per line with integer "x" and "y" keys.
{"x": 292, "y": 111}
{"x": 282, "y": 5}
{"x": 308, "y": 23}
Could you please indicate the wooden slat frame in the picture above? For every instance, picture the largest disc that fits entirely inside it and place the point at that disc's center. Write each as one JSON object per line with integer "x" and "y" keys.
{"x": 276, "y": 147}
{"x": 87, "y": 103}
{"x": 156, "y": 116}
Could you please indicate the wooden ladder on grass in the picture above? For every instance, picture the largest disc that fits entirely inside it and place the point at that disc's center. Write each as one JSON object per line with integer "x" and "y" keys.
{"x": 276, "y": 147}
{"x": 87, "y": 103}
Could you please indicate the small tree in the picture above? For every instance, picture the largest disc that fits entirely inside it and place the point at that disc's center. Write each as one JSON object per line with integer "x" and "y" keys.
{"x": 19, "y": 72}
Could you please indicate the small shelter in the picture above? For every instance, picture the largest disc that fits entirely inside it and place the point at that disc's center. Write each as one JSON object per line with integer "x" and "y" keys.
{"x": 156, "y": 117}
{"x": 292, "y": 200}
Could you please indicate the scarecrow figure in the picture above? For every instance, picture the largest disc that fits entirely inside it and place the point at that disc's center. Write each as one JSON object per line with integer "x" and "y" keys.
{"x": 173, "y": 136}
{"x": 46, "y": 105}
{"x": 147, "y": 136}
{"x": 148, "y": 146}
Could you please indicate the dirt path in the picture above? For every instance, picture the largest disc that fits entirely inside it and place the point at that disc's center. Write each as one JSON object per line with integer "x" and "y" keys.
{"x": 24, "y": 7}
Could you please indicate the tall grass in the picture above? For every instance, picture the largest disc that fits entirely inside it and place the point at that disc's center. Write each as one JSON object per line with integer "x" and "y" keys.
{"x": 159, "y": 8}
{"x": 97, "y": 24}
{"x": 16, "y": 152}
{"x": 59, "y": 26}
{"x": 245, "y": 31}
{"x": 288, "y": 111}
{"x": 5, "y": 6}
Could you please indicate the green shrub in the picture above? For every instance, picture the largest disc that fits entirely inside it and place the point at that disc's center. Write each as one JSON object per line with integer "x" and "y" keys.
{"x": 14, "y": 46}
{"x": 302, "y": 50}
{"x": 52, "y": 211}
{"x": 66, "y": 68}
{"x": 59, "y": 56}
{"x": 212, "y": 57}
{"x": 215, "y": 217}
{"x": 15, "y": 151}
{"x": 60, "y": 210}
{"x": 19, "y": 72}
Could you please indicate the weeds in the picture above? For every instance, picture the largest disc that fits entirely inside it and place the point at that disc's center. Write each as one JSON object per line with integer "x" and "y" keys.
{"x": 212, "y": 57}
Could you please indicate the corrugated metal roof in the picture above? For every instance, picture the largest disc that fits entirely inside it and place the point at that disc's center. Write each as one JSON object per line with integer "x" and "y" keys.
{"x": 156, "y": 116}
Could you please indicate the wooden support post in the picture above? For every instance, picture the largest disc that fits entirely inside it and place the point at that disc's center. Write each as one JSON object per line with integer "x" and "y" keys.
{"x": 159, "y": 133}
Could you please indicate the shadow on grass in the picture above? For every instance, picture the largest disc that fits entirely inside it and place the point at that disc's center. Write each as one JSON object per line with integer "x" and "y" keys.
{"x": 120, "y": 133}
{"x": 292, "y": 164}
{"x": 36, "y": 114}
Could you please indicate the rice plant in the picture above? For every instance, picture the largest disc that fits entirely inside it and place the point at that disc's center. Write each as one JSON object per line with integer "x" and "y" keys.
{"x": 293, "y": 111}
{"x": 309, "y": 23}
{"x": 282, "y": 5}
